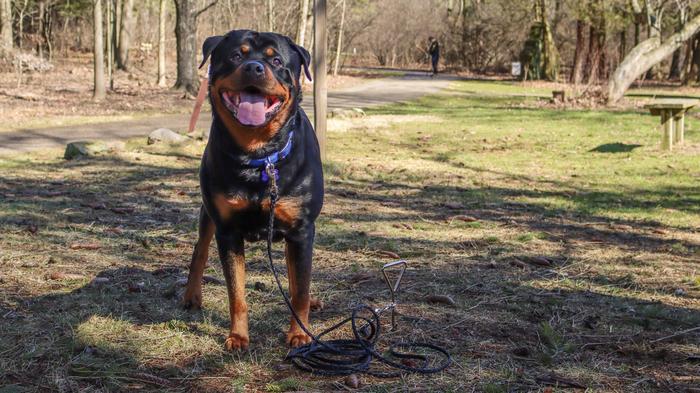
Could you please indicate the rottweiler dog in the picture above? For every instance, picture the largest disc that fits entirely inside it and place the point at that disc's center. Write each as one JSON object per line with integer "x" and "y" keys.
{"x": 255, "y": 94}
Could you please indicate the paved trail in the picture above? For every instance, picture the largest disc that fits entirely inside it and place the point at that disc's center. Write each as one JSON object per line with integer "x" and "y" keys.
{"x": 376, "y": 92}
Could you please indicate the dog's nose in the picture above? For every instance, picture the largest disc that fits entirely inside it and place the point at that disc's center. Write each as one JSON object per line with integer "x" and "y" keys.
{"x": 254, "y": 68}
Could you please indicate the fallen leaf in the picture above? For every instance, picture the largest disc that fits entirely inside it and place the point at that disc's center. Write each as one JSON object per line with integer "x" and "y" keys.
{"x": 212, "y": 280}
{"x": 388, "y": 254}
{"x": 361, "y": 276}
{"x": 116, "y": 231}
{"x": 352, "y": 381}
{"x": 464, "y": 218}
{"x": 85, "y": 246}
{"x": 442, "y": 299}
{"x": 65, "y": 276}
{"x": 538, "y": 260}
{"x": 517, "y": 263}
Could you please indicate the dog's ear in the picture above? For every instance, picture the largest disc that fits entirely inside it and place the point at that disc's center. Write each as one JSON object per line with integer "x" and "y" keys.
{"x": 305, "y": 58}
{"x": 208, "y": 47}
{"x": 303, "y": 54}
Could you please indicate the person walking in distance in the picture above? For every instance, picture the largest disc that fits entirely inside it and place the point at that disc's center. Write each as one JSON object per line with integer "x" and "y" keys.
{"x": 434, "y": 51}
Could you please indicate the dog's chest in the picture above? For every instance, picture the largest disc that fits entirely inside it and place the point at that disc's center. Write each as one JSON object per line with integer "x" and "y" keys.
{"x": 250, "y": 212}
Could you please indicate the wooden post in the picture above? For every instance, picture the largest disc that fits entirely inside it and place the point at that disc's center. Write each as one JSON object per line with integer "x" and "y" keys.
{"x": 320, "y": 91}
{"x": 667, "y": 125}
{"x": 678, "y": 127}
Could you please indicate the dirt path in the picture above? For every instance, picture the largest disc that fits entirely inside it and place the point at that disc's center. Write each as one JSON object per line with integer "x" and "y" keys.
{"x": 377, "y": 92}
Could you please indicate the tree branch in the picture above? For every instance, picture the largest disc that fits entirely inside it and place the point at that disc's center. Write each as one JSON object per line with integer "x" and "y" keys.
{"x": 203, "y": 10}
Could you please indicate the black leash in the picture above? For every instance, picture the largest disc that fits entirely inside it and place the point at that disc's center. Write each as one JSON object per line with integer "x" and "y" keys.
{"x": 355, "y": 355}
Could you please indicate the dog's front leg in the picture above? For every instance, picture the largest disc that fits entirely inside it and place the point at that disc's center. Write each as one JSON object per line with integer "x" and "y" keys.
{"x": 298, "y": 252}
{"x": 193, "y": 293}
{"x": 231, "y": 251}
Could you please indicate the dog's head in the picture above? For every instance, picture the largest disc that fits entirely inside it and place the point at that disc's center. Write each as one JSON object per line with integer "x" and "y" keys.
{"x": 254, "y": 83}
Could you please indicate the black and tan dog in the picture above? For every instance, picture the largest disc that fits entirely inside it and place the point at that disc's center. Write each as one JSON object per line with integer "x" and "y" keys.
{"x": 255, "y": 93}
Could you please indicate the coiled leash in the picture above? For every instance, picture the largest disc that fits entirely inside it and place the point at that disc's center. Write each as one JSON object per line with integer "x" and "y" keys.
{"x": 355, "y": 355}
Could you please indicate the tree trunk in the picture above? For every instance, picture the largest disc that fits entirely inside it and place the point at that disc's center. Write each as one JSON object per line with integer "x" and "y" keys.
{"x": 579, "y": 52}
{"x": 675, "y": 71}
{"x": 110, "y": 44}
{"x": 693, "y": 68}
{"x": 270, "y": 15}
{"x": 595, "y": 65}
{"x": 98, "y": 92}
{"x": 125, "y": 28}
{"x": 677, "y": 61}
{"x": 161, "y": 44}
{"x": 593, "y": 60}
{"x": 20, "y": 22}
{"x": 5, "y": 28}
{"x": 644, "y": 56}
{"x": 623, "y": 46}
{"x": 186, "y": 37}
{"x": 339, "y": 46}
{"x": 40, "y": 44}
{"x": 465, "y": 33}
{"x": 303, "y": 13}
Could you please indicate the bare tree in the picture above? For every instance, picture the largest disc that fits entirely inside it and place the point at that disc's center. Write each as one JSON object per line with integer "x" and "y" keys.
{"x": 579, "y": 52}
{"x": 161, "y": 44}
{"x": 339, "y": 45}
{"x": 303, "y": 15}
{"x": 186, "y": 13}
{"x": 5, "y": 27}
{"x": 125, "y": 30}
{"x": 270, "y": 15}
{"x": 98, "y": 92}
{"x": 645, "y": 55}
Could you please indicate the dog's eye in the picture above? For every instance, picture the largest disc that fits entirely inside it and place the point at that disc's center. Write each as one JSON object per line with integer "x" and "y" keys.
{"x": 277, "y": 62}
{"x": 236, "y": 57}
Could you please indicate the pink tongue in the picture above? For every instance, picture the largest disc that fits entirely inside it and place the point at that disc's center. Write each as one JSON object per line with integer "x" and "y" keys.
{"x": 251, "y": 110}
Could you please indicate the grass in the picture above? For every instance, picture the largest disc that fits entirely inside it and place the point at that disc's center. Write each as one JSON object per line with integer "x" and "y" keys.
{"x": 92, "y": 250}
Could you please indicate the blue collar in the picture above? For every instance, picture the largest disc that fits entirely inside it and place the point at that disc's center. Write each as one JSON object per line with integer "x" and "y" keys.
{"x": 275, "y": 157}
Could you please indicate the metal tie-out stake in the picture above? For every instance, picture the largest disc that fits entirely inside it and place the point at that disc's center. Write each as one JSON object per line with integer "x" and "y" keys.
{"x": 393, "y": 289}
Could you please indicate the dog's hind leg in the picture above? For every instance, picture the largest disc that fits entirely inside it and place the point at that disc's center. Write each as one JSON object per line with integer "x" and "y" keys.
{"x": 193, "y": 293}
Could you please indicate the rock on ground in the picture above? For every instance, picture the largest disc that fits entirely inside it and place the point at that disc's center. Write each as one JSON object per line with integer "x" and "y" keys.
{"x": 165, "y": 135}
{"x": 91, "y": 148}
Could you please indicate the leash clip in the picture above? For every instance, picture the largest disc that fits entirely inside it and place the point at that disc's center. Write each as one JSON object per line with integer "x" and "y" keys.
{"x": 271, "y": 173}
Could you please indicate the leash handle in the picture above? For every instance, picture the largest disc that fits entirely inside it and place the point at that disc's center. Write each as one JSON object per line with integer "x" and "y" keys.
{"x": 201, "y": 95}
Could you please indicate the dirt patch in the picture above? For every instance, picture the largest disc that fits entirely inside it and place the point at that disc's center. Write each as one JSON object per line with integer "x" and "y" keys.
{"x": 376, "y": 122}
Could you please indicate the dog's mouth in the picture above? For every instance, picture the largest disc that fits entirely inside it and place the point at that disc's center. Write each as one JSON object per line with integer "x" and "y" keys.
{"x": 251, "y": 107}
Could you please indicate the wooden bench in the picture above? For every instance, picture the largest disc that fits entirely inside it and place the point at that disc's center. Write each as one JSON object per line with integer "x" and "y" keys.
{"x": 672, "y": 112}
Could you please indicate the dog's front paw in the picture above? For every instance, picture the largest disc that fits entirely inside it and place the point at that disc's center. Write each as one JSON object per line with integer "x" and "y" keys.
{"x": 192, "y": 299}
{"x": 236, "y": 341}
{"x": 297, "y": 338}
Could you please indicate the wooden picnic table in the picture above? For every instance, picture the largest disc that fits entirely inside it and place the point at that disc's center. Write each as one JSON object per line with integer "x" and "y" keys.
{"x": 672, "y": 112}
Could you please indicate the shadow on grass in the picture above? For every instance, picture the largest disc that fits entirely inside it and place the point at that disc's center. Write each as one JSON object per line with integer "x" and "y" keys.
{"x": 615, "y": 148}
